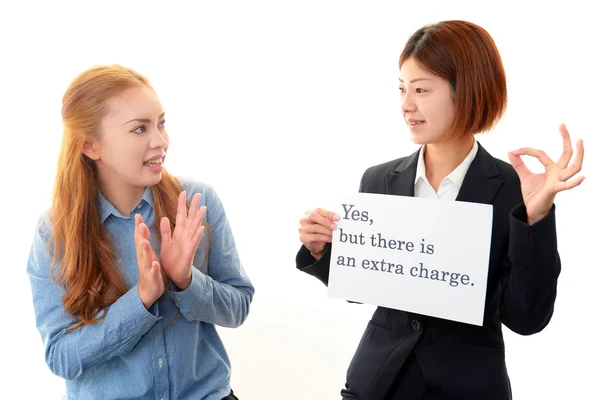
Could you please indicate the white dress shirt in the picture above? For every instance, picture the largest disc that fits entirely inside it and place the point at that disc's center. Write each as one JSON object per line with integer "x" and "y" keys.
{"x": 450, "y": 185}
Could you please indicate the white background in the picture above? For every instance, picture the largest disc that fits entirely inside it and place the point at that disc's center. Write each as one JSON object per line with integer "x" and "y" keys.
{"x": 281, "y": 106}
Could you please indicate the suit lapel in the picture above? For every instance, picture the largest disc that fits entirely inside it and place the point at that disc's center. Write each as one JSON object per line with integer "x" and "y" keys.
{"x": 482, "y": 180}
{"x": 401, "y": 181}
{"x": 481, "y": 183}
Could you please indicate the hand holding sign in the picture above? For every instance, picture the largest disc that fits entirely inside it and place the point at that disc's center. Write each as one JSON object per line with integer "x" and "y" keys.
{"x": 316, "y": 229}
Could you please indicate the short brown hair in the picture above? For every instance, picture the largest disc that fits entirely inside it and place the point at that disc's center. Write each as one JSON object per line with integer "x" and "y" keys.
{"x": 466, "y": 56}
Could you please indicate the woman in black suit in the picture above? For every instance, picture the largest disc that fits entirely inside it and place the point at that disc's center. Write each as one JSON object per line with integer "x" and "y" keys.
{"x": 452, "y": 86}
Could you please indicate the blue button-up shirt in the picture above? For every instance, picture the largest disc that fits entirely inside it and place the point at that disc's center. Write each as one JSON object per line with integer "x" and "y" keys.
{"x": 172, "y": 350}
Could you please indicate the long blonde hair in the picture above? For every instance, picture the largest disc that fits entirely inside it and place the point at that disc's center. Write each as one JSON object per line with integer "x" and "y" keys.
{"x": 82, "y": 247}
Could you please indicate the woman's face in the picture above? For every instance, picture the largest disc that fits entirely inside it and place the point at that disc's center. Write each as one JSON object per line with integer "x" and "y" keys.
{"x": 427, "y": 103}
{"x": 132, "y": 141}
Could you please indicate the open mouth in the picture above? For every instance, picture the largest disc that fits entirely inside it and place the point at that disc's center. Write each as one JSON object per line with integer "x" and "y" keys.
{"x": 154, "y": 163}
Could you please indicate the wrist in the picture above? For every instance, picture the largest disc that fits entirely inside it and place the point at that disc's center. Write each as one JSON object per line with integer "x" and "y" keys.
{"x": 146, "y": 300}
{"x": 183, "y": 284}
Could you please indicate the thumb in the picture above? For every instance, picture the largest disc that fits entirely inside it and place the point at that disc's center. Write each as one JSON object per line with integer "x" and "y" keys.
{"x": 155, "y": 271}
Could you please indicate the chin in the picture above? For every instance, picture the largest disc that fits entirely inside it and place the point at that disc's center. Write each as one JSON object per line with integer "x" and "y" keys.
{"x": 420, "y": 139}
{"x": 152, "y": 181}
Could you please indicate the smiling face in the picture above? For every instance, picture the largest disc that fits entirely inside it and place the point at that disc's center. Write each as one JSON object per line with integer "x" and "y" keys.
{"x": 132, "y": 141}
{"x": 427, "y": 103}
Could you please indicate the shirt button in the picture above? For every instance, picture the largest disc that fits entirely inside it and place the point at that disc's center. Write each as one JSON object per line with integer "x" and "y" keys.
{"x": 416, "y": 325}
{"x": 160, "y": 362}
{"x": 139, "y": 206}
{"x": 178, "y": 298}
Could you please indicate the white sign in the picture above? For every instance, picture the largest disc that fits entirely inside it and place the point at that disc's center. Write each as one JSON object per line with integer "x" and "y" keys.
{"x": 420, "y": 255}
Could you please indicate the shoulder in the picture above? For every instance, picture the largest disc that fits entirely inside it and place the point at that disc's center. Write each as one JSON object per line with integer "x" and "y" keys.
{"x": 193, "y": 186}
{"x": 377, "y": 173}
{"x": 383, "y": 168}
{"x": 43, "y": 226}
{"x": 208, "y": 196}
{"x": 507, "y": 171}
{"x": 41, "y": 250}
{"x": 504, "y": 169}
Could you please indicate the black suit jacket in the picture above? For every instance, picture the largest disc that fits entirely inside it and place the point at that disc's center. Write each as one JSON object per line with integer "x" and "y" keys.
{"x": 459, "y": 361}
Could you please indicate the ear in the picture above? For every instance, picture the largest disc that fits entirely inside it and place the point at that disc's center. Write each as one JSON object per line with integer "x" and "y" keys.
{"x": 90, "y": 149}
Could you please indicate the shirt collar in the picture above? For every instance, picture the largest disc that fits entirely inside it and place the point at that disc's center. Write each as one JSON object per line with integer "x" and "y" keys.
{"x": 457, "y": 176}
{"x": 106, "y": 208}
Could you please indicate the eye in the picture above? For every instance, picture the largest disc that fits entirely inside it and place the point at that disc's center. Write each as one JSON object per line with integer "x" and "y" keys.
{"x": 402, "y": 90}
{"x": 419, "y": 90}
{"x": 139, "y": 129}
{"x": 162, "y": 123}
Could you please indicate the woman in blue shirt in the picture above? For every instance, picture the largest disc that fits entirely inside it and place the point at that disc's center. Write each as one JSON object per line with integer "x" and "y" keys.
{"x": 128, "y": 283}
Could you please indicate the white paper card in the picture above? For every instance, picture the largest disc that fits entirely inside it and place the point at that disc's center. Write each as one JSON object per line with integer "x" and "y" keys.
{"x": 420, "y": 255}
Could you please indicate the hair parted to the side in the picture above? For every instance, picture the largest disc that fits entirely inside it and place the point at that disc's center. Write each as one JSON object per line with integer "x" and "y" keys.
{"x": 82, "y": 249}
{"x": 465, "y": 55}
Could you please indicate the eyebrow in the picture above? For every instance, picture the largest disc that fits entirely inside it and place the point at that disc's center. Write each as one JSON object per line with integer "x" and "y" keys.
{"x": 146, "y": 120}
{"x": 416, "y": 80}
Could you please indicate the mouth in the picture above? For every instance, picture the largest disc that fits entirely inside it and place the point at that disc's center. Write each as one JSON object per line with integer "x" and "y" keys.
{"x": 414, "y": 122}
{"x": 155, "y": 161}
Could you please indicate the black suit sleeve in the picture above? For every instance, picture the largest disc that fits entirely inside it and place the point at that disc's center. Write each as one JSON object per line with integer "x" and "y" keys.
{"x": 305, "y": 262}
{"x": 531, "y": 273}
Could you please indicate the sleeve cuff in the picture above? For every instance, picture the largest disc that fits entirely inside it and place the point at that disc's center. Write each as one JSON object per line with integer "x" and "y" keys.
{"x": 305, "y": 262}
{"x": 195, "y": 293}
{"x": 137, "y": 315}
{"x": 539, "y": 236}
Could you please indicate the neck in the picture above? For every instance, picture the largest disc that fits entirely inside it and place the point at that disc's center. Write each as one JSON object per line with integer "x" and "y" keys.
{"x": 443, "y": 157}
{"x": 124, "y": 197}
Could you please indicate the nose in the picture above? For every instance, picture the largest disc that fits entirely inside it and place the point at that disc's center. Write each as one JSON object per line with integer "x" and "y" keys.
{"x": 407, "y": 103}
{"x": 159, "y": 140}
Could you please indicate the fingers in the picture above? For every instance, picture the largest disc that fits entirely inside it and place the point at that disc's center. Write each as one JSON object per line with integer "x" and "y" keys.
{"x": 144, "y": 231}
{"x": 197, "y": 221}
{"x": 146, "y": 261}
{"x": 316, "y": 228}
{"x": 519, "y": 166}
{"x": 315, "y": 238}
{"x": 197, "y": 236}
{"x": 307, "y": 229}
{"x": 181, "y": 209}
{"x": 194, "y": 207}
{"x": 321, "y": 217}
{"x": 155, "y": 272}
{"x": 137, "y": 237}
{"x": 574, "y": 168}
{"x": 165, "y": 230}
{"x": 539, "y": 154}
{"x": 567, "y": 153}
{"x": 566, "y": 185}
{"x": 136, "y": 229}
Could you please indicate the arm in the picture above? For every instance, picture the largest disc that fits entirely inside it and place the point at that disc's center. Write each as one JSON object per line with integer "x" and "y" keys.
{"x": 70, "y": 354}
{"x": 529, "y": 289}
{"x": 305, "y": 262}
{"x": 223, "y": 295}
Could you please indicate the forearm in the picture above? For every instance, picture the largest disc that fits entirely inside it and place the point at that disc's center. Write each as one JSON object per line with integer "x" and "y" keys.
{"x": 305, "y": 262}
{"x": 70, "y": 354}
{"x": 220, "y": 303}
{"x": 530, "y": 289}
